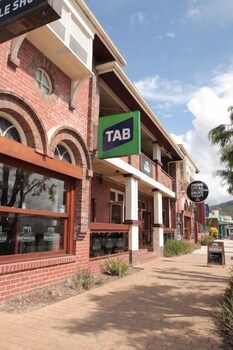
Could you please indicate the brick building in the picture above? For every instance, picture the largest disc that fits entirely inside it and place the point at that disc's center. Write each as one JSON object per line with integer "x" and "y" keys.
{"x": 61, "y": 207}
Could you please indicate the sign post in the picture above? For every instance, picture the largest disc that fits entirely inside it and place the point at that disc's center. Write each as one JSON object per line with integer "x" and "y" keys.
{"x": 215, "y": 254}
{"x": 197, "y": 191}
{"x": 21, "y": 16}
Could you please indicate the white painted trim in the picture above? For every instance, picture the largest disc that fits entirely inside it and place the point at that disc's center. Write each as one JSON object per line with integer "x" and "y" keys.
{"x": 129, "y": 169}
{"x": 92, "y": 20}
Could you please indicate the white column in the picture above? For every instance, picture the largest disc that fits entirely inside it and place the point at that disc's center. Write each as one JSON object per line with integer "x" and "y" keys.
{"x": 156, "y": 151}
{"x": 131, "y": 210}
{"x": 158, "y": 240}
{"x": 158, "y": 208}
{"x": 131, "y": 198}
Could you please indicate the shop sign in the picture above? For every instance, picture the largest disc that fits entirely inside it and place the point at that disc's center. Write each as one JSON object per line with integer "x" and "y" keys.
{"x": 21, "y": 16}
{"x": 207, "y": 210}
{"x": 50, "y": 235}
{"x": 119, "y": 135}
{"x": 3, "y": 237}
{"x": 27, "y": 235}
{"x": 197, "y": 191}
{"x": 146, "y": 166}
{"x": 216, "y": 253}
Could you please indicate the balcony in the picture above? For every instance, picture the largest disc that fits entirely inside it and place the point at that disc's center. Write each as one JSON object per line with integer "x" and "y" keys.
{"x": 67, "y": 42}
{"x": 150, "y": 168}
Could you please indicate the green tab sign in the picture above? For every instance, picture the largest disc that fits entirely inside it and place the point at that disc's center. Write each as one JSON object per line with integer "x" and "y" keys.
{"x": 119, "y": 135}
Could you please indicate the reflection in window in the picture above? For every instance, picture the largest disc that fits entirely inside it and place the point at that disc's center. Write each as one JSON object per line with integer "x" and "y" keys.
{"x": 116, "y": 213}
{"x": 23, "y": 189}
{"x": 8, "y": 130}
{"x": 20, "y": 234}
{"x": 62, "y": 153}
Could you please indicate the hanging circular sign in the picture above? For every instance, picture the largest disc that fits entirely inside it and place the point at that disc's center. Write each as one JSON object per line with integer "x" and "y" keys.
{"x": 197, "y": 191}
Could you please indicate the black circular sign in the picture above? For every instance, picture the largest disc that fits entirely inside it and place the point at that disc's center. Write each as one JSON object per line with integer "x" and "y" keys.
{"x": 197, "y": 191}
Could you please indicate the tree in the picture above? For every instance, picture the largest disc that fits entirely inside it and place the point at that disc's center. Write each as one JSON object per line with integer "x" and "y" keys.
{"x": 222, "y": 136}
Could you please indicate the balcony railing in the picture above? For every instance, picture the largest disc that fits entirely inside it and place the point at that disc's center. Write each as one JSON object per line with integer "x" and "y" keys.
{"x": 150, "y": 168}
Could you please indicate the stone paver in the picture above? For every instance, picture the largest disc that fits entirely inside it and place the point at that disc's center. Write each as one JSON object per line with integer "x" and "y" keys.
{"x": 167, "y": 304}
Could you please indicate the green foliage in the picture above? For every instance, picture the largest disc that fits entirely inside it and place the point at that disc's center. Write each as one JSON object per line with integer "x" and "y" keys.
{"x": 213, "y": 231}
{"x": 222, "y": 136}
{"x": 174, "y": 247}
{"x": 85, "y": 280}
{"x": 225, "y": 316}
{"x": 206, "y": 239}
{"x": 115, "y": 267}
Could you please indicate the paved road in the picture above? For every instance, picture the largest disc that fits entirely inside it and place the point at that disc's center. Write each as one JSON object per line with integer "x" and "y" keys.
{"x": 167, "y": 305}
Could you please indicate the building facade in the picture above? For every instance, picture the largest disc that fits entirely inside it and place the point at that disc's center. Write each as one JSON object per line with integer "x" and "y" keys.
{"x": 63, "y": 209}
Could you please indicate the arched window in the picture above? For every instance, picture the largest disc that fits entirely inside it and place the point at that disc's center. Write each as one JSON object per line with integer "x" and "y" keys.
{"x": 63, "y": 152}
{"x": 7, "y": 129}
{"x": 44, "y": 81}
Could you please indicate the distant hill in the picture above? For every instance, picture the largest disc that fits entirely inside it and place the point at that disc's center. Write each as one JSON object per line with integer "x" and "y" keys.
{"x": 225, "y": 209}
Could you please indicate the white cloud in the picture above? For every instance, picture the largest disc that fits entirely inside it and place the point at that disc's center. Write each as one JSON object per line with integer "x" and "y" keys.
{"x": 209, "y": 107}
{"x": 214, "y": 11}
{"x": 193, "y": 13}
{"x": 138, "y": 17}
{"x": 171, "y": 35}
{"x": 156, "y": 89}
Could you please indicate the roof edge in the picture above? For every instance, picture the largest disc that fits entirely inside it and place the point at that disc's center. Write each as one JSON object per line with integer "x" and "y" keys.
{"x": 114, "y": 67}
{"x": 101, "y": 32}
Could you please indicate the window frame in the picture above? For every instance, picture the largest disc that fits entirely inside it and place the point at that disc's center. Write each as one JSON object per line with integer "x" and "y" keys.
{"x": 68, "y": 150}
{"x": 68, "y": 216}
{"x": 41, "y": 84}
{"x": 117, "y": 202}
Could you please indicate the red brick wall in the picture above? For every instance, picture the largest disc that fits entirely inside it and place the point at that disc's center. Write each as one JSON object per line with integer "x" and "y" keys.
{"x": 54, "y": 109}
{"x": 101, "y": 193}
{"x": 37, "y": 114}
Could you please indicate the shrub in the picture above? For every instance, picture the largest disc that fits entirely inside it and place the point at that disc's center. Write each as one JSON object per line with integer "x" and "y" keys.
{"x": 85, "y": 280}
{"x": 225, "y": 316}
{"x": 174, "y": 247}
{"x": 205, "y": 240}
{"x": 213, "y": 231}
{"x": 115, "y": 267}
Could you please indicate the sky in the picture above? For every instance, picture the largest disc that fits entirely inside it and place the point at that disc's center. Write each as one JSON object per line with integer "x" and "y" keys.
{"x": 179, "y": 55}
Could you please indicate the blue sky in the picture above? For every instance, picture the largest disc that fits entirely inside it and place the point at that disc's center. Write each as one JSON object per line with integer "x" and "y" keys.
{"x": 179, "y": 55}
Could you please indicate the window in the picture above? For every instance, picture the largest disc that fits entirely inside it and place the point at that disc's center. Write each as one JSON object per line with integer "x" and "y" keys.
{"x": 44, "y": 81}
{"x": 7, "y": 129}
{"x": 62, "y": 152}
{"x": 106, "y": 243}
{"x": 116, "y": 213}
{"x": 116, "y": 196}
{"x": 34, "y": 210}
{"x": 116, "y": 207}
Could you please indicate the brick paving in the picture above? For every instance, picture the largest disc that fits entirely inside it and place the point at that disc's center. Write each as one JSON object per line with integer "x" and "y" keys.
{"x": 168, "y": 304}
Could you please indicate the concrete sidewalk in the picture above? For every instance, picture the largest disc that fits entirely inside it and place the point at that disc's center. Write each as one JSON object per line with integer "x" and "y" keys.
{"x": 167, "y": 304}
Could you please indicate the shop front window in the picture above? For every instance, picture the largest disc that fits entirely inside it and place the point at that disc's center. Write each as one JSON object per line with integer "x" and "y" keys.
{"x": 107, "y": 243}
{"x": 29, "y": 190}
{"x": 34, "y": 210}
{"x": 20, "y": 234}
